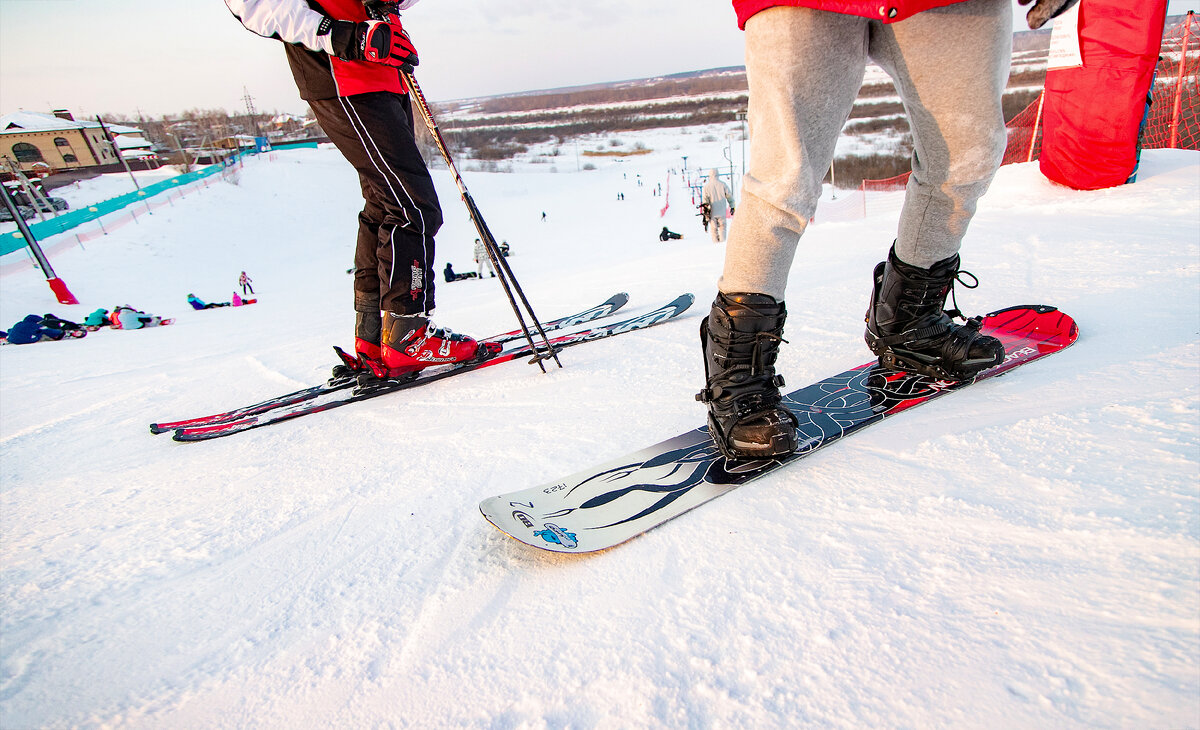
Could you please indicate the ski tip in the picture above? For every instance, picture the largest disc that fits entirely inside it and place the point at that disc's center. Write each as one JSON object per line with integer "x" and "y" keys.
{"x": 203, "y": 433}
{"x": 155, "y": 428}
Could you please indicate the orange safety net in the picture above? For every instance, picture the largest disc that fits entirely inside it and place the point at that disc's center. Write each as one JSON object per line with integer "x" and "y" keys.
{"x": 1173, "y": 120}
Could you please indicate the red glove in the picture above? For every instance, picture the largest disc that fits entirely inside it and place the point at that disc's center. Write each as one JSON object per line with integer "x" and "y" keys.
{"x": 376, "y": 41}
{"x": 387, "y": 43}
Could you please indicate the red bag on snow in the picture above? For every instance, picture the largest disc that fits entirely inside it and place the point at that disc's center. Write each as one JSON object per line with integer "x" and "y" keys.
{"x": 1092, "y": 115}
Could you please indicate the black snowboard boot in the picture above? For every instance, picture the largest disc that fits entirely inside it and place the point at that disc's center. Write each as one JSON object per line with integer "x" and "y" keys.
{"x": 909, "y": 330}
{"x": 741, "y": 339}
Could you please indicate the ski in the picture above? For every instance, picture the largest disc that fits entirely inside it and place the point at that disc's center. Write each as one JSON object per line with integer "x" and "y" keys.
{"x": 343, "y": 397}
{"x": 604, "y": 506}
{"x": 606, "y": 309}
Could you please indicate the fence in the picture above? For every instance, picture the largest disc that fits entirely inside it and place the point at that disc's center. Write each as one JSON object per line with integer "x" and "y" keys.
{"x": 1173, "y": 121}
{"x": 111, "y": 214}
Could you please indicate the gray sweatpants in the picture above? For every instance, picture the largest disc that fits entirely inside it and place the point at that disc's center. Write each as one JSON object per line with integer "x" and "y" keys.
{"x": 950, "y": 66}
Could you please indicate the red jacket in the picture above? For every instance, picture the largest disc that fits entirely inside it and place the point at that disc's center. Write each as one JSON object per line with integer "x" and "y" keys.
{"x": 887, "y": 11}
{"x": 358, "y": 77}
{"x": 299, "y": 24}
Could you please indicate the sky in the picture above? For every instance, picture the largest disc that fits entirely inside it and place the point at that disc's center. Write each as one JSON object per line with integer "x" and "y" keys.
{"x": 122, "y": 57}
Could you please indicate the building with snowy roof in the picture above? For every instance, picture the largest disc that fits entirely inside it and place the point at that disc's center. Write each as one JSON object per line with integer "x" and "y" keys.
{"x": 57, "y": 142}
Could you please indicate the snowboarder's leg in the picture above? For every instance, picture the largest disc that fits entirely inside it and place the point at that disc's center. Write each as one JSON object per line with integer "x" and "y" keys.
{"x": 741, "y": 338}
{"x": 804, "y": 69}
{"x": 950, "y": 65}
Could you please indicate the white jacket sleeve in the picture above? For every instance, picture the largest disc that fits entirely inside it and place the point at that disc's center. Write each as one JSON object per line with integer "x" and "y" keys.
{"x": 291, "y": 21}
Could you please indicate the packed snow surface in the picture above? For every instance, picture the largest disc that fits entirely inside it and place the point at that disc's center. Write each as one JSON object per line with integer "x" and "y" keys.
{"x": 1022, "y": 554}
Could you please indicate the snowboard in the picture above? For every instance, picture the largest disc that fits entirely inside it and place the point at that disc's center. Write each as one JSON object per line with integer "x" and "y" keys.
{"x": 604, "y": 506}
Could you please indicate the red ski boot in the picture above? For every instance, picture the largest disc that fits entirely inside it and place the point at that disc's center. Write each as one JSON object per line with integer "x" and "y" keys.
{"x": 410, "y": 344}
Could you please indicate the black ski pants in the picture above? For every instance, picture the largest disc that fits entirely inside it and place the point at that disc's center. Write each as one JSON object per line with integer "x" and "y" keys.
{"x": 393, "y": 258}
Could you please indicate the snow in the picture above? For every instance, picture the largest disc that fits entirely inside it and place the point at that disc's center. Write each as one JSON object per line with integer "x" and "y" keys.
{"x": 1023, "y": 554}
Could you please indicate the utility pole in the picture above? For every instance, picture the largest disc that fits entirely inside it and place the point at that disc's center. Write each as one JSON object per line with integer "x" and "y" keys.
{"x": 250, "y": 110}
{"x": 113, "y": 141}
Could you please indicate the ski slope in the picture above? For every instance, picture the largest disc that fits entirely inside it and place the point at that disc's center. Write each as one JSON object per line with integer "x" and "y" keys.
{"x": 1023, "y": 554}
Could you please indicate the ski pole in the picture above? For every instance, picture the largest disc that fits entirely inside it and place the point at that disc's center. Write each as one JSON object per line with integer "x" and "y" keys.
{"x": 489, "y": 241}
{"x": 57, "y": 285}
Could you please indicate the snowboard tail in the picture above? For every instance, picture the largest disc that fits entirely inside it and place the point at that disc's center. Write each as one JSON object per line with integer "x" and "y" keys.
{"x": 604, "y": 506}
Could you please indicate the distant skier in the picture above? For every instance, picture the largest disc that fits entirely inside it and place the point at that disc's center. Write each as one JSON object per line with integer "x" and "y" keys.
{"x": 482, "y": 259}
{"x": 717, "y": 196}
{"x": 668, "y": 235}
{"x": 244, "y": 281}
{"x": 346, "y": 57}
{"x": 949, "y": 60}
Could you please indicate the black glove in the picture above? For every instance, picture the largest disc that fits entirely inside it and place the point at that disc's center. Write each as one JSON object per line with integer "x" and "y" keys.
{"x": 376, "y": 41}
{"x": 1044, "y": 10}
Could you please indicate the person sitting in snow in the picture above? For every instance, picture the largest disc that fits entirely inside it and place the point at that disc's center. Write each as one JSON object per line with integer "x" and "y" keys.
{"x": 96, "y": 320}
{"x": 198, "y": 303}
{"x": 30, "y": 330}
{"x": 128, "y": 318}
{"x": 668, "y": 235}
{"x": 451, "y": 275}
{"x": 54, "y": 322}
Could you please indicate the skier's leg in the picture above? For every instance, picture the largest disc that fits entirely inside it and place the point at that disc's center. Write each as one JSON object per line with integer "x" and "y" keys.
{"x": 392, "y": 165}
{"x": 384, "y": 151}
{"x": 374, "y": 132}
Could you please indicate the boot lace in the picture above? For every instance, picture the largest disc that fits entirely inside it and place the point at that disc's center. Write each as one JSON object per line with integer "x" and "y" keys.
{"x": 931, "y": 292}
